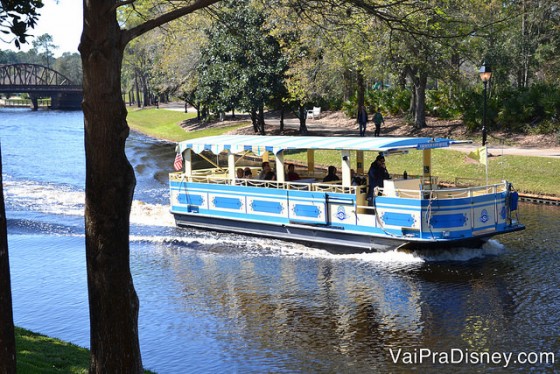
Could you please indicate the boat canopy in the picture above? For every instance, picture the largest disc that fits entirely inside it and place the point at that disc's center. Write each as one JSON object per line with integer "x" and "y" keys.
{"x": 259, "y": 144}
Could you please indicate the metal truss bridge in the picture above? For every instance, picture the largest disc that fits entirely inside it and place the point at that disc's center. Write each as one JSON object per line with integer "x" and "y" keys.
{"x": 40, "y": 81}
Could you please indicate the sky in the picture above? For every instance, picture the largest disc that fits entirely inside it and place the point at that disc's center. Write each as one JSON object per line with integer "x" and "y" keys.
{"x": 61, "y": 19}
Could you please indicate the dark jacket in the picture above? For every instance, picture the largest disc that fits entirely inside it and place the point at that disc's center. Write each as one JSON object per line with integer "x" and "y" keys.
{"x": 376, "y": 175}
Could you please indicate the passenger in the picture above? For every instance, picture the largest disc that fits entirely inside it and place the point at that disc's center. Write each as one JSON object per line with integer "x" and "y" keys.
{"x": 331, "y": 176}
{"x": 355, "y": 178}
{"x": 247, "y": 173}
{"x": 377, "y": 174}
{"x": 270, "y": 176}
{"x": 239, "y": 173}
{"x": 292, "y": 175}
{"x": 265, "y": 170}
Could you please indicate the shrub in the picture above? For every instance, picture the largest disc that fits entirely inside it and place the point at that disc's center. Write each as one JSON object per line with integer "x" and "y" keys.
{"x": 441, "y": 103}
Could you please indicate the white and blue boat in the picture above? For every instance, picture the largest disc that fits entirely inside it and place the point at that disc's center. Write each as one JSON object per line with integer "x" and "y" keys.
{"x": 412, "y": 213}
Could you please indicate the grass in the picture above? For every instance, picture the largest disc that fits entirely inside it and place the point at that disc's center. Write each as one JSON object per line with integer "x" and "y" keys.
{"x": 159, "y": 123}
{"x": 165, "y": 124}
{"x": 36, "y": 353}
{"x": 40, "y": 354}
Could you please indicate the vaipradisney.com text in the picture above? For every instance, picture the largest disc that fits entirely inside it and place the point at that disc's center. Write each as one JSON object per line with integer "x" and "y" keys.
{"x": 420, "y": 356}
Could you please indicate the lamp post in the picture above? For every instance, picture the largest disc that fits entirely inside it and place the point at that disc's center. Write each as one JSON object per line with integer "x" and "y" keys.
{"x": 485, "y": 75}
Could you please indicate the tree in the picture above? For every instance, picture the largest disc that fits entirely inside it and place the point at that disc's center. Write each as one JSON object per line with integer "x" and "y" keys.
{"x": 45, "y": 47}
{"x": 242, "y": 65}
{"x": 110, "y": 181}
{"x": 70, "y": 65}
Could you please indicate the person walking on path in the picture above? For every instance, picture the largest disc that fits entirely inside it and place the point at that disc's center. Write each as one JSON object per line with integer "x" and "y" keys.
{"x": 362, "y": 119}
{"x": 378, "y": 120}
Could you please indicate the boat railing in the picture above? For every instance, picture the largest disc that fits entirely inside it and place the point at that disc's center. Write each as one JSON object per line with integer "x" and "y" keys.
{"x": 335, "y": 187}
{"x": 445, "y": 193}
{"x": 210, "y": 178}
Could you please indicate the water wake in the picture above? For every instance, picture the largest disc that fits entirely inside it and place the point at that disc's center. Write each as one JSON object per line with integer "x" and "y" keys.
{"x": 61, "y": 200}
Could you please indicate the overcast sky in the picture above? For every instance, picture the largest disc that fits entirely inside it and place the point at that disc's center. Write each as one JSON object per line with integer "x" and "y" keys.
{"x": 62, "y": 20}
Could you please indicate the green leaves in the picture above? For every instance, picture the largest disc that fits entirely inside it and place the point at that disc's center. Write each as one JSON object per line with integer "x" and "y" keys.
{"x": 17, "y": 16}
{"x": 242, "y": 65}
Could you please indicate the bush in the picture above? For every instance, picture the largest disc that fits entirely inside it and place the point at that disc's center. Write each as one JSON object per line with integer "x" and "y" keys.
{"x": 392, "y": 100}
{"x": 441, "y": 103}
{"x": 535, "y": 107}
{"x": 469, "y": 104}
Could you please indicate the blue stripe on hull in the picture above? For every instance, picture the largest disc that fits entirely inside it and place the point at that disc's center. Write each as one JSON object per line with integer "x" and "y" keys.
{"x": 397, "y": 218}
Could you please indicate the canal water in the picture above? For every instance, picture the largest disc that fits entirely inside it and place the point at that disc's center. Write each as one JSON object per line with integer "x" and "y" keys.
{"x": 227, "y": 303}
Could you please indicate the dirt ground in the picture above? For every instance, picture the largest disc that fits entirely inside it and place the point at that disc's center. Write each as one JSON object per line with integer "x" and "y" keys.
{"x": 336, "y": 123}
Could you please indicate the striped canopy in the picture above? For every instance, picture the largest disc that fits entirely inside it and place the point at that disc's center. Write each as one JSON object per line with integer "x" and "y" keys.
{"x": 261, "y": 144}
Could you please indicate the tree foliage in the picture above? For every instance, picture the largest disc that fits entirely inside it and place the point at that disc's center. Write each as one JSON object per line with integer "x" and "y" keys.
{"x": 45, "y": 48}
{"x": 17, "y": 17}
{"x": 242, "y": 65}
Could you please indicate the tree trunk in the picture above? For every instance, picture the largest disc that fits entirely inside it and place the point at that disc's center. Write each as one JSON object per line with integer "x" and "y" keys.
{"x": 145, "y": 90}
{"x": 361, "y": 88}
{"x": 110, "y": 182}
{"x": 7, "y": 334}
{"x": 254, "y": 120}
{"x": 137, "y": 89}
{"x": 260, "y": 120}
{"x": 420, "y": 109}
{"x": 302, "y": 119}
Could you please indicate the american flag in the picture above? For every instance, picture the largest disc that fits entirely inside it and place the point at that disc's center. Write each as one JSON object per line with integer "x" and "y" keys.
{"x": 178, "y": 164}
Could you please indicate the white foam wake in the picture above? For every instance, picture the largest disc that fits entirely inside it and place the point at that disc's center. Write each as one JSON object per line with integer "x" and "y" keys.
{"x": 65, "y": 200}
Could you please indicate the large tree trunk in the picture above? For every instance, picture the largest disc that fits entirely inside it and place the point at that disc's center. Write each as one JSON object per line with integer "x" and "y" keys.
{"x": 418, "y": 99}
{"x": 7, "y": 334}
{"x": 420, "y": 109}
{"x": 110, "y": 182}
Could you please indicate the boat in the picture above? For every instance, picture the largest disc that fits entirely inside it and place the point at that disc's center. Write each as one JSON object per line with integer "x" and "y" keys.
{"x": 408, "y": 212}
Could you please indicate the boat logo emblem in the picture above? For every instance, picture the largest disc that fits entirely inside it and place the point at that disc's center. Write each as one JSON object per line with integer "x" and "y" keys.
{"x": 341, "y": 213}
{"x": 484, "y": 216}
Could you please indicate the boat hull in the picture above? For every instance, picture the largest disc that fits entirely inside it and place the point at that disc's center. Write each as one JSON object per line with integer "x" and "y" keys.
{"x": 335, "y": 241}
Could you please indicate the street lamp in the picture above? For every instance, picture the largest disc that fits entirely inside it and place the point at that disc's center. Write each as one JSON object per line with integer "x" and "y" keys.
{"x": 485, "y": 74}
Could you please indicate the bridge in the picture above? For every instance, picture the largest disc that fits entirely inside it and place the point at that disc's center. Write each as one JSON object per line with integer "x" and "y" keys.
{"x": 40, "y": 81}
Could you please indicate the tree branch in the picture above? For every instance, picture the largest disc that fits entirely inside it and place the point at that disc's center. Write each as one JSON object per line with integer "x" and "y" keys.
{"x": 136, "y": 31}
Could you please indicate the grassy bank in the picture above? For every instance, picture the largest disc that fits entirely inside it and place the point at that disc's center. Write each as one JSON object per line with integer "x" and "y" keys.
{"x": 165, "y": 124}
{"x": 40, "y": 354}
{"x": 535, "y": 175}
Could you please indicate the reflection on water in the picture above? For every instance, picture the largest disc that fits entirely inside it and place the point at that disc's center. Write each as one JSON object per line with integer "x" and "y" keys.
{"x": 249, "y": 305}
